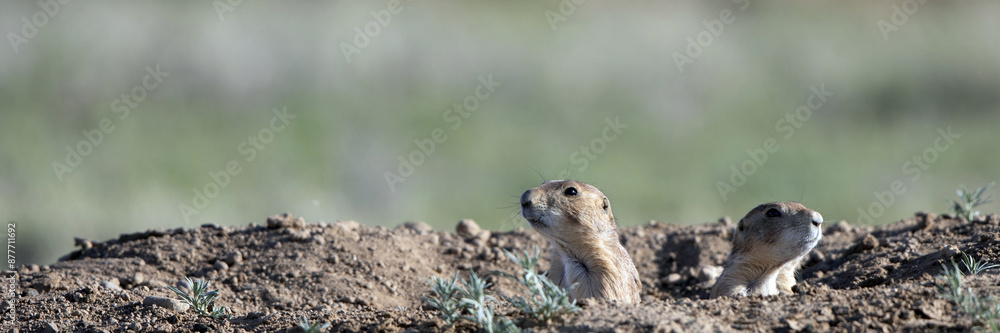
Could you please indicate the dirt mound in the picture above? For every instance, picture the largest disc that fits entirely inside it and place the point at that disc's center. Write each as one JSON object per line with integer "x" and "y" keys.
{"x": 373, "y": 279}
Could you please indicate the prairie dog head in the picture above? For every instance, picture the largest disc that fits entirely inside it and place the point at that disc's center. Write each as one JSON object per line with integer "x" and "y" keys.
{"x": 778, "y": 232}
{"x": 566, "y": 211}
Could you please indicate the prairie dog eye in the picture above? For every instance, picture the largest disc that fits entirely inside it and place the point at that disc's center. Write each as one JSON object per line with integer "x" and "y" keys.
{"x": 741, "y": 226}
{"x": 570, "y": 191}
{"x": 772, "y": 213}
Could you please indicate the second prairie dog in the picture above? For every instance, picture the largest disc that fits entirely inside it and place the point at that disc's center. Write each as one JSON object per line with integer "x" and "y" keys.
{"x": 576, "y": 219}
{"x": 769, "y": 244}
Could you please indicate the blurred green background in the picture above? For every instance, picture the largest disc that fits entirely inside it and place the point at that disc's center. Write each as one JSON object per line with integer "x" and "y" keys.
{"x": 353, "y": 120}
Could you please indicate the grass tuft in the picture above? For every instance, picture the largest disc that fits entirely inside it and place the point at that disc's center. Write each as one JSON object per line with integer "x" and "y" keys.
{"x": 970, "y": 200}
{"x": 201, "y": 299}
{"x": 974, "y": 266}
{"x": 984, "y": 310}
{"x": 311, "y": 327}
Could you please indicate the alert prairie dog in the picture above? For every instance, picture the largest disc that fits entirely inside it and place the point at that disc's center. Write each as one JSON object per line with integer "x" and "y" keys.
{"x": 576, "y": 219}
{"x": 769, "y": 244}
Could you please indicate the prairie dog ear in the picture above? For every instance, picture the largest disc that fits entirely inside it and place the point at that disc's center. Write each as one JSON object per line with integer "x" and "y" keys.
{"x": 606, "y": 205}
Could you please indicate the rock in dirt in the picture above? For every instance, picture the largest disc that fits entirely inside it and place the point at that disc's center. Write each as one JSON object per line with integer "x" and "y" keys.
{"x": 931, "y": 309}
{"x": 708, "y": 274}
{"x": 467, "y": 228}
{"x": 49, "y": 328}
{"x": 924, "y": 219}
{"x": 234, "y": 258}
{"x": 82, "y": 243}
{"x": 166, "y": 303}
{"x": 419, "y": 227}
{"x": 221, "y": 266}
{"x": 671, "y": 278}
{"x": 867, "y": 243}
{"x": 948, "y": 251}
{"x": 840, "y": 227}
{"x": 137, "y": 279}
{"x": 285, "y": 220}
{"x": 111, "y": 285}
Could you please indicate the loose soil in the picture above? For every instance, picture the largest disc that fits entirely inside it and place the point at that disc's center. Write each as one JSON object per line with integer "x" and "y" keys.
{"x": 363, "y": 279}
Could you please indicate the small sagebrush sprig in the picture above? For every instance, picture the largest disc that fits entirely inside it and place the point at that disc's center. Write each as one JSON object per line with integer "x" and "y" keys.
{"x": 446, "y": 298}
{"x": 546, "y": 300}
{"x": 474, "y": 299}
{"x": 974, "y": 266}
{"x": 311, "y": 327}
{"x": 201, "y": 299}
{"x": 985, "y": 310}
{"x": 468, "y": 301}
{"x": 970, "y": 200}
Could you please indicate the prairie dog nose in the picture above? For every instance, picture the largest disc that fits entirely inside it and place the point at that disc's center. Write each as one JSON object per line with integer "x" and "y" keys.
{"x": 526, "y": 199}
{"x": 817, "y": 219}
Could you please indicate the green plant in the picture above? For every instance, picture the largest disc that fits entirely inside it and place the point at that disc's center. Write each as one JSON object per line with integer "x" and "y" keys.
{"x": 970, "y": 200}
{"x": 446, "y": 299}
{"x": 201, "y": 299}
{"x": 974, "y": 266}
{"x": 985, "y": 310}
{"x": 546, "y": 300}
{"x": 472, "y": 300}
{"x": 310, "y": 327}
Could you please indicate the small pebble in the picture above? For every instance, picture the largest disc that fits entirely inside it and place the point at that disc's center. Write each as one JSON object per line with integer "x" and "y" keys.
{"x": 49, "y": 328}
{"x": 672, "y": 278}
{"x": 220, "y": 266}
{"x": 138, "y": 279}
{"x": 111, "y": 285}
{"x": 419, "y": 227}
{"x": 948, "y": 251}
{"x": 708, "y": 274}
{"x": 234, "y": 258}
{"x": 166, "y": 303}
{"x": 467, "y": 228}
{"x": 183, "y": 284}
{"x": 868, "y": 242}
{"x": 82, "y": 243}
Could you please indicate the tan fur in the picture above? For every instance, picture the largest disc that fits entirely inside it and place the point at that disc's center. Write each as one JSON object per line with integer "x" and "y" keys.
{"x": 584, "y": 239}
{"x": 767, "y": 251}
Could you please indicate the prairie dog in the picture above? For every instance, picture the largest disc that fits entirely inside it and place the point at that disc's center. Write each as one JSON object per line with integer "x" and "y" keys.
{"x": 576, "y": 219}
{"x": 769, "y": 244}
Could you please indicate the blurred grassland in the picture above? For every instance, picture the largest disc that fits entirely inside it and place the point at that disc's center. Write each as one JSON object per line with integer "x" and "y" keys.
{"x": 685, "y": 130}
